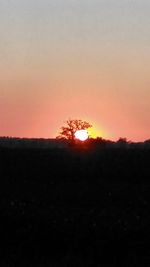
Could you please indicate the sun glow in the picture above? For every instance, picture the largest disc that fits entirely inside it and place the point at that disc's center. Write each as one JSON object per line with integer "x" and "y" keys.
{"x": 81, "y": 135}
{"x": 95, "y": 132}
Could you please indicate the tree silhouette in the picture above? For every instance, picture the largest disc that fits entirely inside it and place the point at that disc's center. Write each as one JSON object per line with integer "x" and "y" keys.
{"x": 68, "y": 131}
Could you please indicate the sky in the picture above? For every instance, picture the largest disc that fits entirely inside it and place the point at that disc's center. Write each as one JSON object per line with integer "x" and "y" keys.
{"x": 82, "y": 59}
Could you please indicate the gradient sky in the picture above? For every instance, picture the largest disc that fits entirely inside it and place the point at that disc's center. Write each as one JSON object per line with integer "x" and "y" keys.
{"x": 86, "y": 59}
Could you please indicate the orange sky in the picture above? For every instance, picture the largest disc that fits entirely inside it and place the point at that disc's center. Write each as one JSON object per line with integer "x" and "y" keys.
{"x": 63, "y": 59}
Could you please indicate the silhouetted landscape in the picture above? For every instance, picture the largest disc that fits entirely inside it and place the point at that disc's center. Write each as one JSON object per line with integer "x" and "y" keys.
{"x": 86, "y": 204}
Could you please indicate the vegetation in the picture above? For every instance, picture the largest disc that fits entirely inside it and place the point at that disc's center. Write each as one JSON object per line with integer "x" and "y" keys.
{"x": 68, "y": 131}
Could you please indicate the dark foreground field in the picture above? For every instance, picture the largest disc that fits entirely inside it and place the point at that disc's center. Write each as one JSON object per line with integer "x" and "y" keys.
{"x": 74, "y": 208}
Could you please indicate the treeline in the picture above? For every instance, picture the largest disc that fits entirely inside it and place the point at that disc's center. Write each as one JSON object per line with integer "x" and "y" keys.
{"x": 99, "y": 142}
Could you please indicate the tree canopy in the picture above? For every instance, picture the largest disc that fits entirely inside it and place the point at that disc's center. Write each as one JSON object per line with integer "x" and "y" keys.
{"x": 71, "y": 126}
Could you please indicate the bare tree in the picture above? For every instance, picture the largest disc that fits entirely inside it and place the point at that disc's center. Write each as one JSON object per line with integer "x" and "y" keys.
{"x": 68, "y": 131}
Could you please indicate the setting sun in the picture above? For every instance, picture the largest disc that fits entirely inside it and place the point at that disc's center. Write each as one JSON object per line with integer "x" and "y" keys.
{"x": 81, "y": 135}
